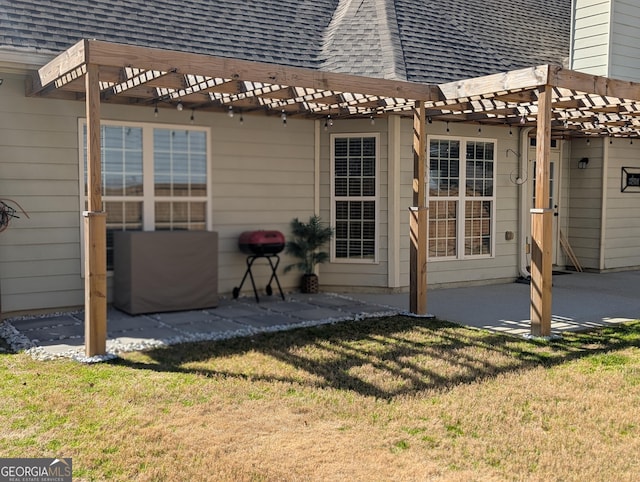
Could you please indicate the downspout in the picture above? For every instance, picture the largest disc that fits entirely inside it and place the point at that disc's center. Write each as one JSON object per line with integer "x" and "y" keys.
{"x": 316, "y": 167}
{"x": 603, "y": 206}
{"x": 523, "y": 202}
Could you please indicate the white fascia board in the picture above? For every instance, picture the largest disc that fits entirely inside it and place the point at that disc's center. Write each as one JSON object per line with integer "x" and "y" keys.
{"x": 22, "y": 61}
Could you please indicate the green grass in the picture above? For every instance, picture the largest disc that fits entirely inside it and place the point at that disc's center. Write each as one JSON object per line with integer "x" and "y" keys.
{"x": 395, "y": 398}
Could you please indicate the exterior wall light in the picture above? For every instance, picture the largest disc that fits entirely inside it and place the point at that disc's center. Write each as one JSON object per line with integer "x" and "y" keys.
{"x": 582, "y": 163}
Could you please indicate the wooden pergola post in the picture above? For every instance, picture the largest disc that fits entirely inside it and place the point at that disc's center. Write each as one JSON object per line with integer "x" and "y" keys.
{"x": 418, "y": 217}
{"x": 95, "y": 232}
{"x": 542, "y": 223}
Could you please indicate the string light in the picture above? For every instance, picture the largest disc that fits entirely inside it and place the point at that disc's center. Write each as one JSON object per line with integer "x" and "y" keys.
{"x": 192, "y": 118}
{"x": 180, "y": 106}
{"x": 429, "y": 120}
{"x": 155, "y": 110}
{"x": 447, "y": 126}
{"x": 230, "y": 111}
{"x": 283, "y": 116}
{"x": 241, "y": 119}
{"x": 523, "y": 119}
{"x": 373, "y": 121}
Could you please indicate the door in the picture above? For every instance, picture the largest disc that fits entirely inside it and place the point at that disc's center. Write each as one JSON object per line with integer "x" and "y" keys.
{"x": 554, "y": 196}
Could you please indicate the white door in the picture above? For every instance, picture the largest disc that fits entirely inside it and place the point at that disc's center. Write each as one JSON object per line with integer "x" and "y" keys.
{"x": 554, "y": 196}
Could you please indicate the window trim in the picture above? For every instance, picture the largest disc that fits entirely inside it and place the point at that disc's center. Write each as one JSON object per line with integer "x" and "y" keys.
{"x": 460, "y": 211}
{"x": 375, "y": 199}
{"x": 148, "y": 200}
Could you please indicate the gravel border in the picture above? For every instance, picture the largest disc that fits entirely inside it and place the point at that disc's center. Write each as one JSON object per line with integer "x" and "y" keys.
{"x": 20, "y": 343}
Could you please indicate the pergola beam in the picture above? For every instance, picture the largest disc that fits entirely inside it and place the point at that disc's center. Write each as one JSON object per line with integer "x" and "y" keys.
{"x": 546, "y": 96}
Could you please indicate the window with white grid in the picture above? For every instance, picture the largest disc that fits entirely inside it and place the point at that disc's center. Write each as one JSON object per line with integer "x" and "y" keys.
{"x": 152, "y": 178}
{"x": 461, "y": 198}
{"x": 354, "y": 189}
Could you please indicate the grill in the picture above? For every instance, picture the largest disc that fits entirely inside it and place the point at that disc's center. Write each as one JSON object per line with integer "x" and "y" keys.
{"x": 261, "y": 244}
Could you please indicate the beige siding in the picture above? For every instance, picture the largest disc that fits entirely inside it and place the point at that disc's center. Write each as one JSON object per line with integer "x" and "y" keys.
{"x": 590, "y": 36}
{"x": 262, "y": 177}
{"x": 349, "y": 275}
{"x": 39, "y": 256}
{"x": 606, "y": 38}
{"x": 625, "y": 41}
{"x": 622, "y": 241}
{"x": 585, "y": 210}
{"x": 504, "y": 265}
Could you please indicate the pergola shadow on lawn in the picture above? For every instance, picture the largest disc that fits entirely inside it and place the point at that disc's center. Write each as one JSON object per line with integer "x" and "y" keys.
{"x": 383, "y": 358}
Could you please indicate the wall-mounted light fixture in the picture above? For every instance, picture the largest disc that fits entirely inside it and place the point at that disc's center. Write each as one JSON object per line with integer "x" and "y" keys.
{"x": 582, "y": 163}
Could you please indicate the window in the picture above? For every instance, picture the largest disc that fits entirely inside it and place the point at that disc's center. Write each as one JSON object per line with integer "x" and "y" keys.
{"x": 152, "y": 178}
{"x": 461, "y": 198}
{"x": 354, "y": 187}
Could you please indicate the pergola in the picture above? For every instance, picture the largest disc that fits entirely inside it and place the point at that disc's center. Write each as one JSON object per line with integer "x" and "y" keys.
{"x": 561, "y": 104}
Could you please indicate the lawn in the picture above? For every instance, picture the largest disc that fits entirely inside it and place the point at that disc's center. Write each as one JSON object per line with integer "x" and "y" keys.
{"x": 385, "y": 399}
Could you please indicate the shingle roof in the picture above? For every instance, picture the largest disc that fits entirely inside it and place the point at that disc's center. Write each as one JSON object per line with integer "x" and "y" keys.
{"x": 470, "y": 38}
{"x": 424, "y": 41}
{"x": 283, "y": 31}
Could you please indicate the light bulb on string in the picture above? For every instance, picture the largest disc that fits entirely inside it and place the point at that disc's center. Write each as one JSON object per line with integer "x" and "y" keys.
{"x": 179, "y": 106}
{"x": 373, "y": 120}
{"x": 283, "y": 116}
{"x": 155, "y": 110}
{"x": 523, "y": 119}
{"x": 447, "y": 126}
{"x": 192, "y": 118}
{"x": 241, "y": 119}
{"x": 230, "y": 111}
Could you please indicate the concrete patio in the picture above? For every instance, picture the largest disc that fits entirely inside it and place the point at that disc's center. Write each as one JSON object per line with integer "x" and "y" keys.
{"x": 581, "y": 301}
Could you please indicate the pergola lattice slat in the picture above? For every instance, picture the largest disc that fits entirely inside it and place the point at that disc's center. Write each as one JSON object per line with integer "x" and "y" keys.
{"x": 571, "y": 103}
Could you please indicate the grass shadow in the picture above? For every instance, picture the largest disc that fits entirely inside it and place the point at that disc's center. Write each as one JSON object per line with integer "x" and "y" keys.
{"x": 381, "y": 357}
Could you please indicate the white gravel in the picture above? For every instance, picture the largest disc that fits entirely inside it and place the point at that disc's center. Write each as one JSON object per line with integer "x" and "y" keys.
{"x": 19, "y": 342}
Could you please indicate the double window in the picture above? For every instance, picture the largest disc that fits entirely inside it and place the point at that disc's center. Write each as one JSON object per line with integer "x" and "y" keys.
{"x": 354, "y": 187}
{"x": 153, "y": 178}
{"x": 461, "y": 197}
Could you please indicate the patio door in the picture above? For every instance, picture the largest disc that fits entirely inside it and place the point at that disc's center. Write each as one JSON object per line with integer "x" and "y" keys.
{"x": 554, "y": 196}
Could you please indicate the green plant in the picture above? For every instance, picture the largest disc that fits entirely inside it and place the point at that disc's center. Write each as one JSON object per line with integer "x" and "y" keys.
{"x": 308, "y": 239}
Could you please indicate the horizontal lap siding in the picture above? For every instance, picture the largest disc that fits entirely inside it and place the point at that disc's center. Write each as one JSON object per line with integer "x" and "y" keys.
{"x": 39, "y": 255}
{"x": 585, "y": 210}
{"x": 622, "y": 242}
{"x": 625, "y": 41}
{"x": 262, "y": 177}
{"x": 504, "y": 263}
{"x": 346, "y": 274}
{"x": 590, "y": 49}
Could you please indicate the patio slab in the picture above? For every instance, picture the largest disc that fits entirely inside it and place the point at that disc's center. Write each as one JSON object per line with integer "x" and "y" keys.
{"x": 580, "y": 301}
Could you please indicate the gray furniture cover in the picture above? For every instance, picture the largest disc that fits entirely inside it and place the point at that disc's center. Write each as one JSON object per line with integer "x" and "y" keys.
{"x": 165, "y": 271}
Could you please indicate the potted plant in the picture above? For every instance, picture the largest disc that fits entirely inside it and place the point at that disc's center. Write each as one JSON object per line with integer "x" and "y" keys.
{"x": 308, "y": 239}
